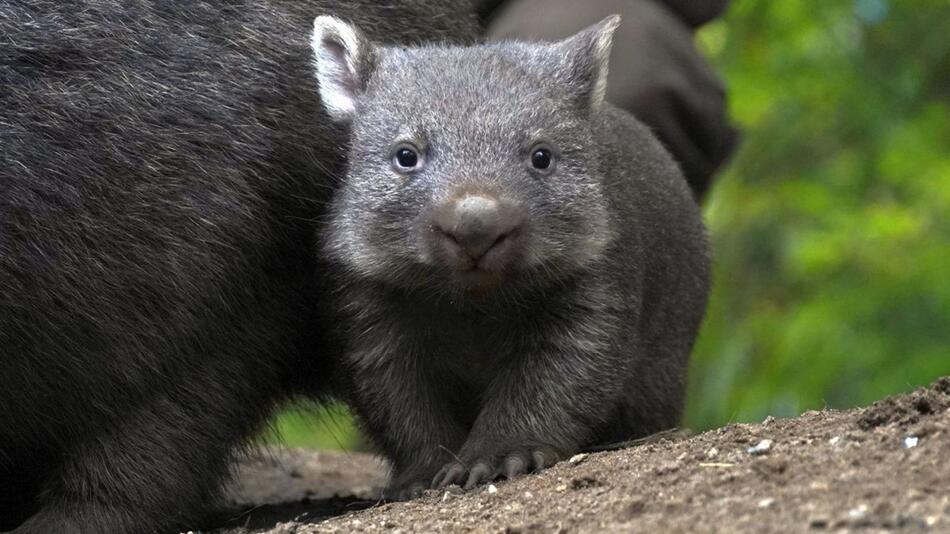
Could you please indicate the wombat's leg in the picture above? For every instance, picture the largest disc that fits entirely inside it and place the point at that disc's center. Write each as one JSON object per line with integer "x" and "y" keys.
{"x": 159, "y": 469}
{"x": 544, "y": 405}
{"x": 407, "y": 411}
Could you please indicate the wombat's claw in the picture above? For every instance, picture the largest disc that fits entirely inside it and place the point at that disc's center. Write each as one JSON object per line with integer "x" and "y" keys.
{"x": 456, "y": 473}
{"x": 516, "y": 464}
{"x": 484, "y": 470}
{"x": 451, "y": 473}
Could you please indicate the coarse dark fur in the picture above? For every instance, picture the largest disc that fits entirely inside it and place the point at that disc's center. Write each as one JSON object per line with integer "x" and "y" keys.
{"x": 161, "y": 166}
{"x": 574, "y": 328}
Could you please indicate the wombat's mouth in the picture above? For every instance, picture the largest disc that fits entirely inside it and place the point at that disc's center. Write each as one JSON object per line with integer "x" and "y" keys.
{"x": 485, "y": 266}
{"x": 477, "y": 281}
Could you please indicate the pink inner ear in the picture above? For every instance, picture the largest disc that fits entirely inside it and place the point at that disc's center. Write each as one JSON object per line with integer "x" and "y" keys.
{"x": 336, "y": 48}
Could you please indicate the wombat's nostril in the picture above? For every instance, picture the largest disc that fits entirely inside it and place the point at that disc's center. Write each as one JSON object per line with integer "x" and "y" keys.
{"x": 500, "y": 238}
{"x": 449, "y": 235}
{"x": 477, "y": 223}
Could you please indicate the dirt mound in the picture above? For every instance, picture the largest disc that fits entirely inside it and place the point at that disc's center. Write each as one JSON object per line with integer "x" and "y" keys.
{"x": 886, "y": 466}
{"x": 908, "y": 409}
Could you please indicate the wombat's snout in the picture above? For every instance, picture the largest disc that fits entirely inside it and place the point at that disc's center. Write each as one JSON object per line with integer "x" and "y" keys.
{"x": 476, "y": 231}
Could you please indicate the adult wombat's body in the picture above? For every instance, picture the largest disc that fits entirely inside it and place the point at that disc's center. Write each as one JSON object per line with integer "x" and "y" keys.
{"x": 160, "y": 167}
{"x": 523, "y": 266}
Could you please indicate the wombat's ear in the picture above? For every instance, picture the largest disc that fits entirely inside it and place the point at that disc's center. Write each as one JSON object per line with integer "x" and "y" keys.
{"x": 344, "y": 59}
{"x": 587, "y": 54}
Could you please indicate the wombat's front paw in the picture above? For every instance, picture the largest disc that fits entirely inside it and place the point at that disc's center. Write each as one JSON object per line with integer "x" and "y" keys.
{"x": 471, "y": 470}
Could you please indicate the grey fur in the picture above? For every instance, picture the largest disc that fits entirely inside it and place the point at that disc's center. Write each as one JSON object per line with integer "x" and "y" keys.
{"x": 161, "y": 168}
{"x": 580, "y": 333}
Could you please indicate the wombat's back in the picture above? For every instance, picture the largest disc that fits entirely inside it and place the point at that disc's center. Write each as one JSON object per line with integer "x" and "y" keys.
{"x": 662, "y": 240}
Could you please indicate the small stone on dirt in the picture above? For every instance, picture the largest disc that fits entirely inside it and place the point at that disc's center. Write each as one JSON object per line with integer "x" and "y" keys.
{"x": 577, "y": 458}
{"x": 910, "y": 442}
{"x": 492, "y": 489}
{"x": 858, "y": 512}
{"x": 761, "y": 447}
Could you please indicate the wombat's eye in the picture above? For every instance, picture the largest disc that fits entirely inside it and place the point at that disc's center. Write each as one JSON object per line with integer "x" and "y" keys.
{"x": 406, "y": 158}
{"x": 542, "y": 159}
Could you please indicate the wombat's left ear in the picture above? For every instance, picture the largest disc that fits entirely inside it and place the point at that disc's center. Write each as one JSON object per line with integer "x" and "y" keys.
{"x": 344, "y": 59}
{"x": 586, "y": 54}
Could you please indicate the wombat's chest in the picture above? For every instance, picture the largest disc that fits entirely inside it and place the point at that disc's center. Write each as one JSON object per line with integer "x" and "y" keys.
{"x": 475, "y": 354}
{"x": 474, "y": 368}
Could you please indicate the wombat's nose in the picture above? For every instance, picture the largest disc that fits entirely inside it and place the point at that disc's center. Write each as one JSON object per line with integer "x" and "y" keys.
{"x": 476, "y": 223}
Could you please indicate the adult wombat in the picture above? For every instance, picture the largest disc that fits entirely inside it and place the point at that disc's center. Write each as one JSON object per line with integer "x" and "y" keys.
{"x": 161, "y": 165}
{"x": 522, "y": 266}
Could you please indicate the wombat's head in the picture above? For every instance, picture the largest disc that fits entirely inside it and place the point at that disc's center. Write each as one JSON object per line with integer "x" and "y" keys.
{"x": 475, "y": 165}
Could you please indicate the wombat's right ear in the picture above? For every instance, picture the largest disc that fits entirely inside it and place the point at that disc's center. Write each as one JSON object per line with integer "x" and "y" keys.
{"x": 344, "y": 59}
{"x": 586, "y": 55}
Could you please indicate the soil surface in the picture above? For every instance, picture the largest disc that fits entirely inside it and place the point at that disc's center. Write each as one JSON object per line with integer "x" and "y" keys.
{"x": 880, "y": 468}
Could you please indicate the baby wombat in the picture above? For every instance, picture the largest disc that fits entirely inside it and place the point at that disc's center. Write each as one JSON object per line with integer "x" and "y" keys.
{"x": 523, "y": 269}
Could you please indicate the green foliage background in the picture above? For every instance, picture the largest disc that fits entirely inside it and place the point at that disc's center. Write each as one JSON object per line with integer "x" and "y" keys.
{"x": 831, "y": 226}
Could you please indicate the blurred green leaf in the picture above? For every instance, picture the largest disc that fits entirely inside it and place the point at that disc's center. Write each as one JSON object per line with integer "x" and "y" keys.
{"x": 830, "y": 230}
